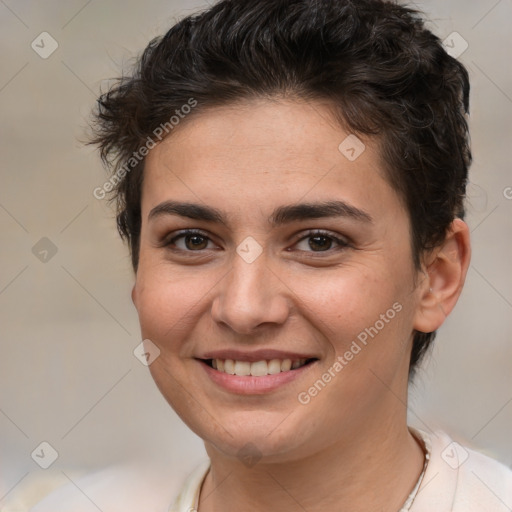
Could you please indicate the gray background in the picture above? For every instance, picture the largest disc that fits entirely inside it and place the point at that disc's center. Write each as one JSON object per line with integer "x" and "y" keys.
{"x": 68, "y": 328}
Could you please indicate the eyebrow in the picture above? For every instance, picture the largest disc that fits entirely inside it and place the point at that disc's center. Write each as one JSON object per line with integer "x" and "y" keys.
{"x": 280, "y": 216}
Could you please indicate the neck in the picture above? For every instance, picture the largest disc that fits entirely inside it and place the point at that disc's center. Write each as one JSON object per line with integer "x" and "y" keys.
{"x": 372, "y": 468}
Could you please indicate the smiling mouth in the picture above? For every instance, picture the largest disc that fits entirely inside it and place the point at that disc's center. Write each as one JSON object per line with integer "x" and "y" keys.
{"x": 256, "y": 368}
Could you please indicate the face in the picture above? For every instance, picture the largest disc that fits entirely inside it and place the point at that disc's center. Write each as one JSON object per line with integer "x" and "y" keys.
{"x": 265, "y": 243}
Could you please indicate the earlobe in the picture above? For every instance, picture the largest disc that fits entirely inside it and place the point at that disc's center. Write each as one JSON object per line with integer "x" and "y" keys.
{"x": 134, "y": 296}
{"x": 446, "y": 272}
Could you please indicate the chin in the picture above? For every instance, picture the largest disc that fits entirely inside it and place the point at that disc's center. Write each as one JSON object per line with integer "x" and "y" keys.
{"x": 274, "y": 440}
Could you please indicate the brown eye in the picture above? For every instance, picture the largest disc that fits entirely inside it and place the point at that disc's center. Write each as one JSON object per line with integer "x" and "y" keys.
{"x": 189, "y": 241}
{"x": 320, "y": 243}
{"x": 195, "y": 242}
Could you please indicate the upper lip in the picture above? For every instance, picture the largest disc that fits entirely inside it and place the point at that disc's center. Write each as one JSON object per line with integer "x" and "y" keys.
{"x": 256, "y": 355}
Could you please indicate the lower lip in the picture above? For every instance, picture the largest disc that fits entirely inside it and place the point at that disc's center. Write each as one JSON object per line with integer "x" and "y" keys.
{"x": 247, "y": 385}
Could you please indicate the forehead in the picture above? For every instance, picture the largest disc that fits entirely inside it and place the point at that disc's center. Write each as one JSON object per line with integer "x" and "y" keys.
{"x": 287, "y": 131}
{"x": 267, "y": 151}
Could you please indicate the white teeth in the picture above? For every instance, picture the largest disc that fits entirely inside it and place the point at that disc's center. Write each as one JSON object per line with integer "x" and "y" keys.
{"x": 229, "y": 366}
{"x": 258, "y": 368}
{"x": 274, "y": 366}
{"x": 286, "y": 365}
{"x": 242, "y": 368}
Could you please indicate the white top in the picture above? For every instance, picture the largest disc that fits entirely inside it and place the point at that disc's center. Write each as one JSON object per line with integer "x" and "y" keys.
{"x": 454, "y": 479}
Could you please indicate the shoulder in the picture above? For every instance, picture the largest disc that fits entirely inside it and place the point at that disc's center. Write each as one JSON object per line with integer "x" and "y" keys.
{"x": 188, "y": 498}
{"x": 116, "y": 489}
{"x": 485, "y": 482}
{"x": 461, "y": 479}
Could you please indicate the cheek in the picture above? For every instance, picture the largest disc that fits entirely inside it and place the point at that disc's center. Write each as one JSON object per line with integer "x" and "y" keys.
{"x": 160, "y": 303}
{"x": 345, "y": 300}
{"x": 172, "y": 304}
{"x": 362, "y": 314}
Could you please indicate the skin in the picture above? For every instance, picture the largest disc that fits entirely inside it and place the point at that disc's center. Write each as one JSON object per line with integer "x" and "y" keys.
{"x": 349, "y": 447}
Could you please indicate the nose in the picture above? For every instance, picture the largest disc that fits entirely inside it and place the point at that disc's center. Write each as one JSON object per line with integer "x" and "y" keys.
{"x": 251, "y": 296}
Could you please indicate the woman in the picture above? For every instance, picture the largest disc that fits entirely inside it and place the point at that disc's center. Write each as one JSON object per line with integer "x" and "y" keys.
{"x": 290, "y": 177}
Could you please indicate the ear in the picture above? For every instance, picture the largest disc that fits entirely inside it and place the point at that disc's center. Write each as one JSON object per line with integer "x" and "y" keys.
{"x": 445, "y": 273}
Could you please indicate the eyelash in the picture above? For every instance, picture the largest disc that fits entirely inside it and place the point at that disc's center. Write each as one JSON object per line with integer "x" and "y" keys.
{"x": 342, "y": 244}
